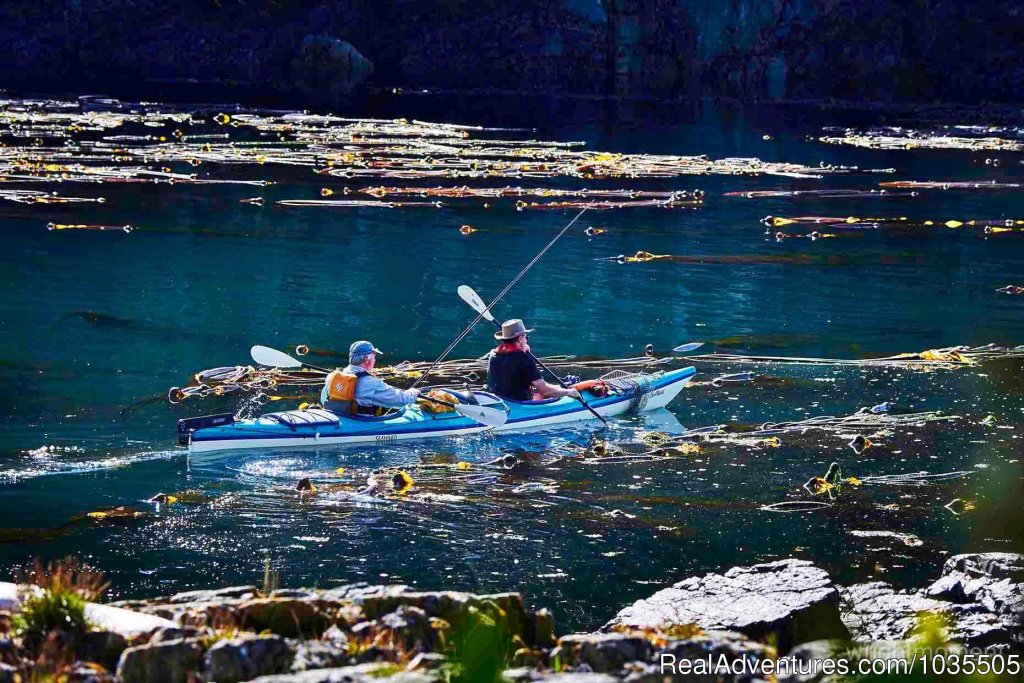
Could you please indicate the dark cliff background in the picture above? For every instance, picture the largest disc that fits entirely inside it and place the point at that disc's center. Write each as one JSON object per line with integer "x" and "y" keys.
{"x": 325, "y": 52}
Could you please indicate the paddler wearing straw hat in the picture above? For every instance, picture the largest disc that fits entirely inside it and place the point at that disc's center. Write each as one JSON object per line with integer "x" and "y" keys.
{"x": 512, "y": 373}
{"x": 354, "y": 389}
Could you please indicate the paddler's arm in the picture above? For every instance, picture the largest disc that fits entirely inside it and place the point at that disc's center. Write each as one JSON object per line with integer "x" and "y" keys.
{"x": 546, "y": 390}
{"x": 542, "y": 388}
{"x": 372, "y": 391}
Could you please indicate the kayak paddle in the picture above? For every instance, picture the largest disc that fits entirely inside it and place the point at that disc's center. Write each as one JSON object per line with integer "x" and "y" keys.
{"x": 491, "y": 417}
{"x": 272, "y": 358}
{"x": 469, "y": 295}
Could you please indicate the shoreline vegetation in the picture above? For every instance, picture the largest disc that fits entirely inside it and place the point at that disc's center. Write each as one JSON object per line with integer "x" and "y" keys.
{"x": 777, "y": 621}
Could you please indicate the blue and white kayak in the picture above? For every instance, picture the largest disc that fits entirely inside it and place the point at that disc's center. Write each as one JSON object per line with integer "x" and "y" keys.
{"x": 318, "y": 427}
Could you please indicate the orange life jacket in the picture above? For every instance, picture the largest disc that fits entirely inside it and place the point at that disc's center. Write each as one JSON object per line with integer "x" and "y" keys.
{"x": 341, "y": 387}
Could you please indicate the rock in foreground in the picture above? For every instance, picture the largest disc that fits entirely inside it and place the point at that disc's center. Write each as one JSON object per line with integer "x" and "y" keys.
{"x": 790, "y": 601}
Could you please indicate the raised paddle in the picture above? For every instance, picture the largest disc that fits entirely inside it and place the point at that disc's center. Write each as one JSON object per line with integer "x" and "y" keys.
{"x": 491, "y": 417}
{"x": 272, "y": 358}
{"x": 467, "y": 294}
{"x": 686, "y": 348}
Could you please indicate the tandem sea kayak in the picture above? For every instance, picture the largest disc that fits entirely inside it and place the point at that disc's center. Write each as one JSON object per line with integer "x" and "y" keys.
{"x": 318, "y": 427}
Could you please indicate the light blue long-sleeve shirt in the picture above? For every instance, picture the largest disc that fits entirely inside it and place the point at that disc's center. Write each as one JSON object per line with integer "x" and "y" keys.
{"x": 371, "y": 392}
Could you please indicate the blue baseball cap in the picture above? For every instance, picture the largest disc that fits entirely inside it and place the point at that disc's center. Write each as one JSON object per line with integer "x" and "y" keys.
{"x": 362, "y": 348}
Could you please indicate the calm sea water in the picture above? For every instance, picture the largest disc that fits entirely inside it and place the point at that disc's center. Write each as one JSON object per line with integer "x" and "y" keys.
{"x": 204, "y": 278}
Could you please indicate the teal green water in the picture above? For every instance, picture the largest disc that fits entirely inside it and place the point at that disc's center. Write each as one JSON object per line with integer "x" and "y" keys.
{"x": 205, "y": 277}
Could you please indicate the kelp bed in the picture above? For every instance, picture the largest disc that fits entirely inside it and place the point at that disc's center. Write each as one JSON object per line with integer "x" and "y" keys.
{"x": 61, "y": 142}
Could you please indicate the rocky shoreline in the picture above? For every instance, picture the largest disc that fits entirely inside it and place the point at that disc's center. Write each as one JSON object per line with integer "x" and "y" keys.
{"x": 361, "y": 633}
{"x": 319, "y": 53}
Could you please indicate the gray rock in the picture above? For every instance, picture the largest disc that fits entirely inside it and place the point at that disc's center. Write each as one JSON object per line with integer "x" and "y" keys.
{"x": 86, "y": 672}
{"x": 376, "y": 654}
{"x": 299, "y": 593}
{"x": 336, "y": 637}
{"x": 947, "y": 588}
{"x": 602, "y": 652}
{"x": 994, "y": 581}
{"x": 812, "y": 656}
{"x": 410, "y": 626}
{"x": 507, "y": 609}
{"x": 239, "y": 592}
{"x": 543, "y": 628}
{"x": 523, "y": 674}
{"x": 104, "y": 647}
{"x": 8, "y": 651}
{"x": 283, "y": 616}
{"x": 987, "y": 566}
{"x": 246, "y": 657}
{"x": 791, "y": 601}
{"x": 877, "y": 612}
{"x": 577, "y": 678}
{"x": 325, "y": 68}
{"x": 317, "y": 654}
{"x": 162, "y": 635}
{"x": 426, "y": 661}
{"x": 362, "y": 673}
{"x": 174, "y": 661}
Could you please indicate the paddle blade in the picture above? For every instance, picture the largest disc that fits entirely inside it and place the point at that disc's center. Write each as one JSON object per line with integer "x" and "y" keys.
{"x": 686, "y": 348}
{"x": 492, "y": 417}
{"x": 469, "y": 295}
{"x": 272, "y": 358}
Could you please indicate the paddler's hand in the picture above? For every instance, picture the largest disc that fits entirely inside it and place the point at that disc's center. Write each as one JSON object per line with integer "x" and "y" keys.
{"x": 414, "y": 392}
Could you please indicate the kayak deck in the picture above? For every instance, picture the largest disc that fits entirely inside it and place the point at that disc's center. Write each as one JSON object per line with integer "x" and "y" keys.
{"x": 321, "y": 427}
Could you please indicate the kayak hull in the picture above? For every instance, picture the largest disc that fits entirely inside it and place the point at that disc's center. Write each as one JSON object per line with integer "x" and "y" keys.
{"x": 319, "y": 428}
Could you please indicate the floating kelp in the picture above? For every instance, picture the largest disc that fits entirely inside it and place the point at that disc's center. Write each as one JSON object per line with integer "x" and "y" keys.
{"x": 569, "y": 199}
{"x": 893, "y": 138}
{"x": 1011, "y": 289}
{"x": 812, "y": 236}
{"x": 60, "y": 145}
{"x": 464, "y": 191}
{"x": 726, "y": 259}
{"x": 249, "y": 379}
{"x": 95, "y": 227}
{"x": 818, "y": 194}
{"x": 32, "y": 197}
{"x": 355, "y": 203}
{"x": 658, "y": 445}
{"x": 948, "y": 358}
{"x": 771, "y": 340}
{"x": 949, "y": 185}
{"x": 914, "y": 478}
{"x": 909, "y": 540}
{"x": 989, "y": 226}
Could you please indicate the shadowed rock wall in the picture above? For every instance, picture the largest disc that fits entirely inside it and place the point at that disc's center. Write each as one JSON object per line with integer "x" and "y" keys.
{"x": 882, "y": 50}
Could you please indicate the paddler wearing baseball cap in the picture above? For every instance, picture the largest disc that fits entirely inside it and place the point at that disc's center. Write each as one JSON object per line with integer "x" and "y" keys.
{"x": 354, "y": 389}
{"x": 512, "y": 373}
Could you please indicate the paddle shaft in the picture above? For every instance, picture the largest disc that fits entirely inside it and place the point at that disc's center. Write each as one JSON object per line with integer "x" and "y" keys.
{"x": 502, "y": 293}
